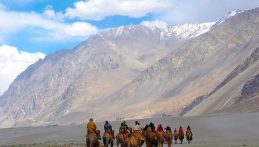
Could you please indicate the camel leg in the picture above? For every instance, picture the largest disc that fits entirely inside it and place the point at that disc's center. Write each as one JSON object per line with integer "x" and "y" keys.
{"x": 104, "y": 142}
{"x": 111, "y": 142}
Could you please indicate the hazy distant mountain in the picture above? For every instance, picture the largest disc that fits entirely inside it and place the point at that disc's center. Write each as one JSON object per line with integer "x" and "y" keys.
{"x": 128, "y": 72}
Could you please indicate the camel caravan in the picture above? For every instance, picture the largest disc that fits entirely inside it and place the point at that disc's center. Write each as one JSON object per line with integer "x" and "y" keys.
{"x": 135, "y": 136}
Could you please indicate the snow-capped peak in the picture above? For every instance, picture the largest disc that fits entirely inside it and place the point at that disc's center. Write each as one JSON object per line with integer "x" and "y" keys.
{"x": 190, "y": 30}
{"x": 183, "y": 31}
{"x": 233, "y": 13}
{"x": 230, "y": 14}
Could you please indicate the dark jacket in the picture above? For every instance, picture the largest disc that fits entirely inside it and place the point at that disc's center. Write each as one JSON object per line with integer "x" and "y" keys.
{"x": 107, "y": 127}
{"x": 152, "y": 126}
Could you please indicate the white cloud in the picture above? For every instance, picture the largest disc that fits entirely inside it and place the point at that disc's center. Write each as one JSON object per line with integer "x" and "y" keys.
{"x": 50, "y": 13}
{"x": 78, "y": 29}
{"x": 49, "y": 24}
{"x": 12, "y": 63}
{"x": 155, "y": 23}
{"x": 99, "y": 9}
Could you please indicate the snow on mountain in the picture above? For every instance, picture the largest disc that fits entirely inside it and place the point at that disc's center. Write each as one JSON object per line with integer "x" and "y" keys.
{"x": 12, "y": 63}
{"x": 229, "y": 15}
{"x": 188, "y": 30}
{"x": 183, "y": 31}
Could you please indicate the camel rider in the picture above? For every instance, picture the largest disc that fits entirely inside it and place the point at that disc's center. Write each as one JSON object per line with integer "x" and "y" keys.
{"x": 137, "y": 131}
{"x": 145, "y": 128}
{"x": 136, "y": 127}
{"x": 124, "y": 127}
{"x": 152, "y": 126}
{"x": 175, "y": 132}
{"x": 168, "y": 129}
{"x": 108, "y": 128}
{"x": 188, "y": 128}
{"x": 160, "y": 129}
{"x": 91, "y": 126}
{"x": 180, "y": 131}
{"x": 123, "y": 130}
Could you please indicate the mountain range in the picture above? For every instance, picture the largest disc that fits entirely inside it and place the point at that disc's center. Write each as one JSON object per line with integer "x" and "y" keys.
{"x": 141, "y": 71}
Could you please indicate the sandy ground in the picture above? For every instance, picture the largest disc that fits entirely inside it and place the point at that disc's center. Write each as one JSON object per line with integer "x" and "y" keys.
{"x": 217, "y": 130}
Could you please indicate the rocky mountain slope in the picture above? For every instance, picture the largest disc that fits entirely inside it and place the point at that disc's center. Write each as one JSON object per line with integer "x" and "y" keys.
{"x": 70, "y": 80}
{"x": 129, "y": 72}
{"x": 195, "y": 69}
{"x": 240, "y": 85}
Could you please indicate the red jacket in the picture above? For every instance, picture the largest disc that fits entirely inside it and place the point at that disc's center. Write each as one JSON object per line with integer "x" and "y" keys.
{"x": 159, "y": 128}
{"x": 180, "y": 131}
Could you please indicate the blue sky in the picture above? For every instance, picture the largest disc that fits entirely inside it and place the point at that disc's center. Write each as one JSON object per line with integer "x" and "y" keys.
{"x": 49, "y": 25}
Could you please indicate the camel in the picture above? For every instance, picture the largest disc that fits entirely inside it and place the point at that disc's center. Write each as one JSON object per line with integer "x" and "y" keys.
{"x": 121, "y": 139}
{"x": 175, "y": 136}
{"x": 181, "y": 137}
{"x": 151, "y": 138}
{"x": 132, "y": 142}
{"x": 135, "y": 139}
{"x": 189, "y": 136}
{"x": 160, "y": 139}
{"x": 92, "y": 139}
{"x": 168, "y": 136}
{"x": 108, "y": 138}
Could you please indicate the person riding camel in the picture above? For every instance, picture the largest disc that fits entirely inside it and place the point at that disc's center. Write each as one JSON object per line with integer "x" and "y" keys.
{"x": 124, "y": 130}
{"x": 152, "y": 126}
{"x": 160, "y": 129}
{"x": 168, "y": 136}
{"x": 180, "y": 131}
{"x": 160, "y": 133}
{"x": 181, "y": 134}
{"x": 168, "y": 129}
{"x": 124, "y": 124}
{"x": 136, "y": 127}
{"x": 108, "y": 128}
{"x": 136, "y": 130}
{"x": 91, "y": 128}
{"x": 188, "y": 128}
{"x": 188, "y": 134}
{"x": 145, "y": 128}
